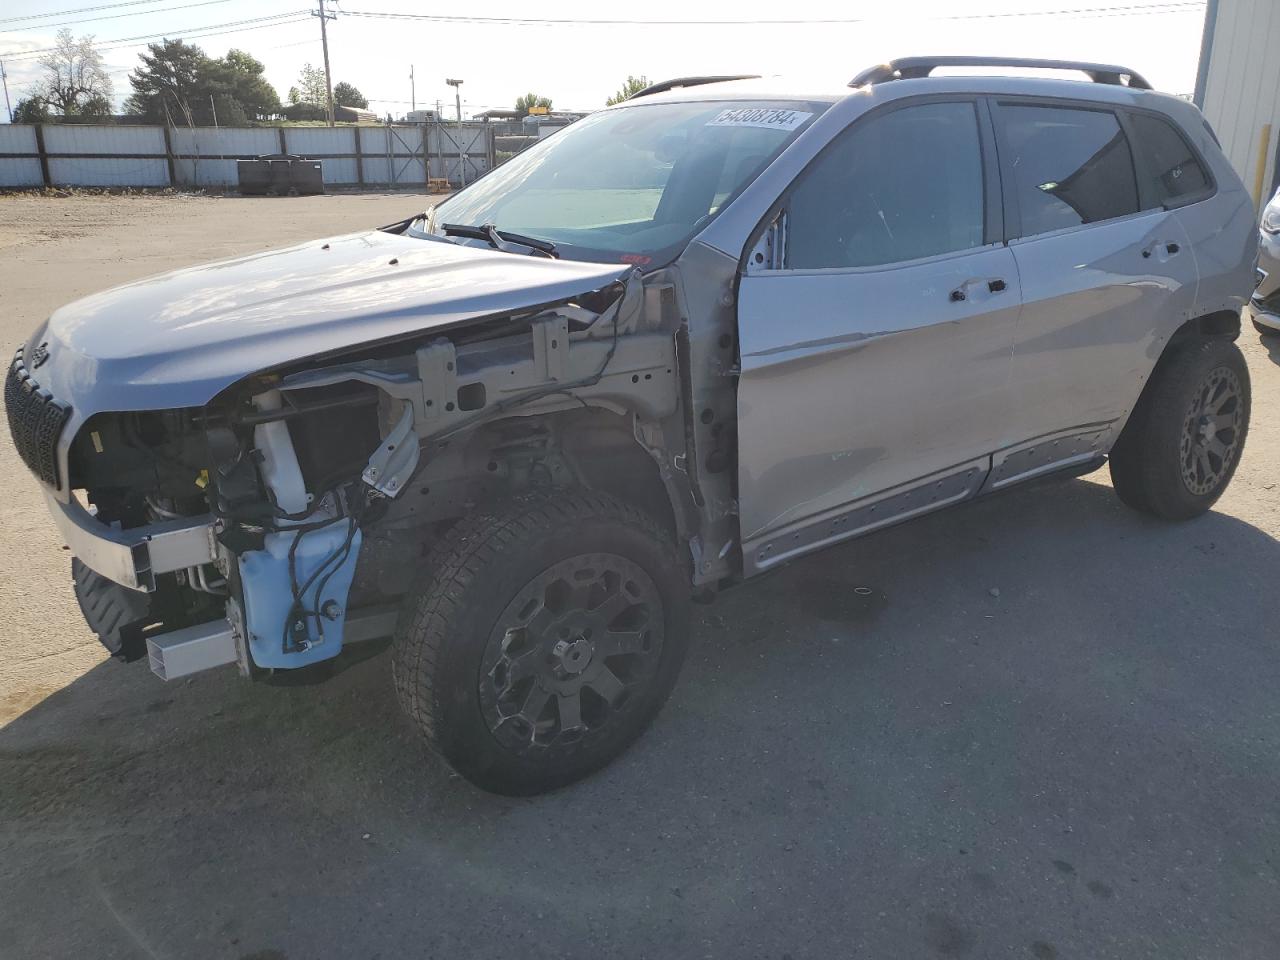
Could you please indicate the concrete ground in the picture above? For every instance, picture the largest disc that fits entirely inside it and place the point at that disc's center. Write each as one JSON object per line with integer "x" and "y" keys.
{"x": 1050, "y": 730}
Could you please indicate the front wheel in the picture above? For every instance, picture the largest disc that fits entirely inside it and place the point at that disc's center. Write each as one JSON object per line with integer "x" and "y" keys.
{"x": 547, "y": 636}
{"x": 1183, "y": 442}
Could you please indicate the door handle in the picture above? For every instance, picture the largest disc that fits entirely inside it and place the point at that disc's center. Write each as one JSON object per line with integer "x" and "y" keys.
{"x": 961, "y": 293}
{"x": 1169, "y": 248}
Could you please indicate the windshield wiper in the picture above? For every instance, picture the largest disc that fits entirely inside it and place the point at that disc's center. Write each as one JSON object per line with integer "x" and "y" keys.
{"x": 502, "y": 239}
{"x": 400, "y": 226}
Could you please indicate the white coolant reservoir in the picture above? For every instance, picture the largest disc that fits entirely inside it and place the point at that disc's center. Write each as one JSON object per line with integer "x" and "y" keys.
{"x": 279, "y": 461}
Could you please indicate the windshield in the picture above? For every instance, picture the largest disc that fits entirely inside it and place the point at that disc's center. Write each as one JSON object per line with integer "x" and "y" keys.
{"x": 631, "y": 185}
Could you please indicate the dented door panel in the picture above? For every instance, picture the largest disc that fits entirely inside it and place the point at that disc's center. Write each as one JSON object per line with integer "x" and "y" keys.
{"x": 1100, "y": 303}
{"x": 857, "y": 381}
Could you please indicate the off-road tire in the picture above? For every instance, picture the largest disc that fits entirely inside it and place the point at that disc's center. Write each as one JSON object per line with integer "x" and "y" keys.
{"x": 449, "y": 627}
{"x": 1265, "y": 330}
{"x": 1154, "y": 462}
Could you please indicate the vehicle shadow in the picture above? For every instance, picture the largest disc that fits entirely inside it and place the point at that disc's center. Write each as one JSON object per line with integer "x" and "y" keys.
{"x": 1272, "y": 344}
{"x": 878, "y": 745}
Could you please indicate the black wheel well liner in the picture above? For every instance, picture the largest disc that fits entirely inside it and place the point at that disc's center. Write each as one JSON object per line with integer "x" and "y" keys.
{"x": 1220, "y": 323}
{"x": 600, "y": 450}
{"x": 1224, "y": 324}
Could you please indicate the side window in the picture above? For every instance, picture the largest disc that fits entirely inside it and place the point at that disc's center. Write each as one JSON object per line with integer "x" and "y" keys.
{"x": 1171, "y": 169}
{"x": 1070, "y": 166}
{"x": 897, "y": 187}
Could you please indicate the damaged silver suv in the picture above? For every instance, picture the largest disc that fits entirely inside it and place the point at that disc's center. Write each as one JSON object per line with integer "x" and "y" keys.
{"x": 684, "y": 341}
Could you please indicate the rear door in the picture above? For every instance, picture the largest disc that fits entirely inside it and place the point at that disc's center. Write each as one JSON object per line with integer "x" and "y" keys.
{"x": 877, "y": 352}
{"x": 1107, "y": 272}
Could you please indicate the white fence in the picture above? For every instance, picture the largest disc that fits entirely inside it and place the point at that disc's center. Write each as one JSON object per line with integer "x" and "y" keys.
{"x": 127, "y": 156}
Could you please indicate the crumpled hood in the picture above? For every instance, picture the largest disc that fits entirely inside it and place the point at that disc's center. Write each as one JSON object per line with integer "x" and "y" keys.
{"x": 178, "y": 339}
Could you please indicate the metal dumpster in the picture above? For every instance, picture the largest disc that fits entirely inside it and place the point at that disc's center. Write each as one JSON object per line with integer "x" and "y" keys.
{"x": 280, "y": 173}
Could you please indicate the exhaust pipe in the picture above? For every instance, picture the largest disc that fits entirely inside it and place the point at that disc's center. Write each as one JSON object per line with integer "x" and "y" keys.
{"x": 192, "y": 649}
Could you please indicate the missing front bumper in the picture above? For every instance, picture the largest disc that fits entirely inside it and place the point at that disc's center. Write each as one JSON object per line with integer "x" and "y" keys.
{"x": 192, "y": 649}
{"x": 204, "y": 646}
{"x": 136, "y": 556}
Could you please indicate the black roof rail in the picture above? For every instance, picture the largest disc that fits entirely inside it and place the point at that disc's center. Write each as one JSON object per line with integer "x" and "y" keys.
{"x": 678, "y": 82}
{"x": 910, "y": 68}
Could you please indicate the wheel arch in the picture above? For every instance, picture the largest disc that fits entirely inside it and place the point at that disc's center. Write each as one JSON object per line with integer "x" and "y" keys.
{"x": 590, "y": 446}
{"x": 1220, "y": 323}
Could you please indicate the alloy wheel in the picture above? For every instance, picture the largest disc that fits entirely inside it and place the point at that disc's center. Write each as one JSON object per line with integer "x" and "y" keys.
{"x": 1211, "y": 431}
{"x": 570, "y": 652}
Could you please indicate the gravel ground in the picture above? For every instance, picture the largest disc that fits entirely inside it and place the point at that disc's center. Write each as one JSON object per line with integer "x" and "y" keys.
{"x": 1050, "y": 730}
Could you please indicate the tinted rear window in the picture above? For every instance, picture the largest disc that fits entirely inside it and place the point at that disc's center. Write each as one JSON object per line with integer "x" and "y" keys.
{"x": 1172, "y": 170}
{"x": 1069, "y": 166}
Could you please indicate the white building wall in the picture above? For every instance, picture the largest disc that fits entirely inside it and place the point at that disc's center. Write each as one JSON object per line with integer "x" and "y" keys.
{"x": 1240, "y": 88}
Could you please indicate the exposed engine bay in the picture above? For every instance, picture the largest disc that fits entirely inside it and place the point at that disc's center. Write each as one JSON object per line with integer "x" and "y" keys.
{"x": 327, "y": 480}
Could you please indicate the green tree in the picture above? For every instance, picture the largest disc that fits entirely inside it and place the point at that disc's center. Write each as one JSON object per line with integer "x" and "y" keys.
{"x": 73, "y": 79}
{"x": 310, "y": 88}
{"x": 529, "y": 101}
{"x": 629, "y": 89}
{"x": 346, "y": 95}
{"x": 167, "y": 87}
{"x": 178, "y": 83}
{"x": 238, "y": 81}
{"x": 31, "y": 110}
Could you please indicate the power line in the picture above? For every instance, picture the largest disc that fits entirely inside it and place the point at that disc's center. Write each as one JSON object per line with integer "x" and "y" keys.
{"x": 212, "y": 29}
{"x": 64, "y": 13}
{"x": 1115, "y": 10}
{"x": 1171, "y": 6}
{"x": 113, "y": 16}
{"x": 296, "y": 43}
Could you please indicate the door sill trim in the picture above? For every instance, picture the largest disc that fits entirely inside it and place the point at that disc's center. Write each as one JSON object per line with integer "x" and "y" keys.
{"x": 864, "y": 516}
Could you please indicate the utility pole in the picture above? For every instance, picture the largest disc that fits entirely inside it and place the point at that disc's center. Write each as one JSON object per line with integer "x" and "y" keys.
{"x": 4, "y": 78}
{"x": 324, "y": 43}
{"x": 413, "y": 96}
{"x": 462, "y": 156}
{"x": 457, "y": 95}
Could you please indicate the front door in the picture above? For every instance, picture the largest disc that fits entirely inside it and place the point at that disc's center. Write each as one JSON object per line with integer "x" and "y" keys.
{"x": 877, "y": 353}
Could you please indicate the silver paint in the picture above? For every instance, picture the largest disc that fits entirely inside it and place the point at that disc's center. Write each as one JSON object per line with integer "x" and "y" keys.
{"x": 177, "y": 340}
{"x": 855, "y": 381}
{"x": 853, "y": 384}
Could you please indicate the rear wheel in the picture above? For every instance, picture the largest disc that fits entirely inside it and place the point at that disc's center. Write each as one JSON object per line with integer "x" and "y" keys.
{"x": 1183, "y": 442}
{"x": 548, "y": 635}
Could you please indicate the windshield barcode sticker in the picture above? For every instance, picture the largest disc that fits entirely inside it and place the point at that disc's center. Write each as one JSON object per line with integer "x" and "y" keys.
{"x": 760, "y": 117}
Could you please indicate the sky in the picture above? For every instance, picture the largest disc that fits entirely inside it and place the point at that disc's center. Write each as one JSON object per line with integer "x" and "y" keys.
{"x": 578, "y": 65}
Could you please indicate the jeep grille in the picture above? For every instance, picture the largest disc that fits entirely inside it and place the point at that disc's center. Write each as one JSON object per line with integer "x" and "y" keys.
{"x": 35, "y": 421}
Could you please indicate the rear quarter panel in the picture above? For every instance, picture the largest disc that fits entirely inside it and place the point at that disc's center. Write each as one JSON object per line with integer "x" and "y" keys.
{"x": 1223, "y": 230}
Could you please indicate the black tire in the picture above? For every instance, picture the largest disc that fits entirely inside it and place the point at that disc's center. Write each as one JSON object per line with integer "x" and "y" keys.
{"x": 1183, "y": 442}
{"x": 115, "y": 613}
{"x": 1265, "y": 330}
{"x": 509, "y": 632}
